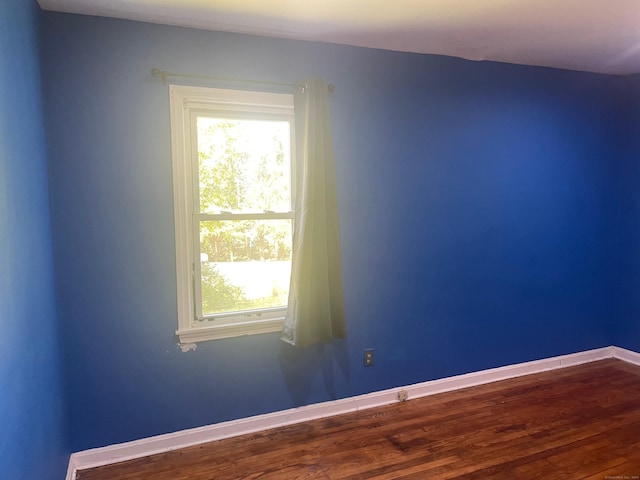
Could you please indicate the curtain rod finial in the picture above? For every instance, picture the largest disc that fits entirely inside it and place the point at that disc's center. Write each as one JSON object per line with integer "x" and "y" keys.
{"x": 155, "y": 72}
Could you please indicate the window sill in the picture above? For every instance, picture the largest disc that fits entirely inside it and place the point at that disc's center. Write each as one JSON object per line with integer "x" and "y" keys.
{"x": 190, "y": 337}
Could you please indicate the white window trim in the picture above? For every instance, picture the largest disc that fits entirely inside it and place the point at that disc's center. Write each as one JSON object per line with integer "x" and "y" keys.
{"x": 184, "y": 101}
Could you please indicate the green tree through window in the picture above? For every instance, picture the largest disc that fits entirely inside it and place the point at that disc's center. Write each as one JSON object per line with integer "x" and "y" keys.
{"x": 244, "y": 169}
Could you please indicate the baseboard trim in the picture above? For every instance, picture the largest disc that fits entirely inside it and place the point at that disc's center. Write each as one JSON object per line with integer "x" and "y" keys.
{"x": 628, "y": 356}
{"x": 196, "y": 436}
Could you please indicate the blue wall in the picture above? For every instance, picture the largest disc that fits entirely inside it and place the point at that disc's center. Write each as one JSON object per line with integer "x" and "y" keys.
{"x": 479, "y": 210}
{"x": 32, "y": 433}
{"x": 627, "y": 328}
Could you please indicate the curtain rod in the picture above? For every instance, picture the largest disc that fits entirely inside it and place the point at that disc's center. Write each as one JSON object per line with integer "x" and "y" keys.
{"x": 163, "y": 74}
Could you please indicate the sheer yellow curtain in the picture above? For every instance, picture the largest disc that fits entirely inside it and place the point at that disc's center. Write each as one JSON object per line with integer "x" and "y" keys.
{"x": 315, "y": 310}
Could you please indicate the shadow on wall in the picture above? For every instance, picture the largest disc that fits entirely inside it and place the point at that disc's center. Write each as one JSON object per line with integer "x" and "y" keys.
{"x": 300, "y": 365}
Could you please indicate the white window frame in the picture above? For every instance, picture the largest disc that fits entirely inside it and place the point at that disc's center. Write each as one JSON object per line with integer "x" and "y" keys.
{"x": 186, "y": 103}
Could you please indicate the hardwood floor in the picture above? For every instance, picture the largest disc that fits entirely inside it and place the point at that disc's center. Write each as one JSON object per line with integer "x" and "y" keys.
{"x": 576, "y": 423}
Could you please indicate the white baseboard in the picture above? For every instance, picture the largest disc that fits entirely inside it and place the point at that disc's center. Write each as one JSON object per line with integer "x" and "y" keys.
{"x": 628, "y": 356}
{"x": 196, "y": 436}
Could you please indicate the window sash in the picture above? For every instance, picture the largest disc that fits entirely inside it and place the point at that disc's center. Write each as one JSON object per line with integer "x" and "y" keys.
{"x": 238, "y": 315}
{"x": 259, "y": 114}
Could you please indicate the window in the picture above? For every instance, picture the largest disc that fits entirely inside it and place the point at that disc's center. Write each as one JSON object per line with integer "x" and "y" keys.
{"x": 233, "y": 202}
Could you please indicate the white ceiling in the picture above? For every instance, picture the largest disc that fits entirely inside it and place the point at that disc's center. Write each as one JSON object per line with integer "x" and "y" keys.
{"x": 591, "y": 35}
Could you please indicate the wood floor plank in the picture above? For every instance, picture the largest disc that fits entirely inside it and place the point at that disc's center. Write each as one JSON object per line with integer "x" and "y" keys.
{"x": 580, "y": 422}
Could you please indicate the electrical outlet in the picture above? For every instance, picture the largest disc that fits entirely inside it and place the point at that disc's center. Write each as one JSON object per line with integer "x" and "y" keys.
{"x": 368, "y": 357}
{"x": 403, "y": 396}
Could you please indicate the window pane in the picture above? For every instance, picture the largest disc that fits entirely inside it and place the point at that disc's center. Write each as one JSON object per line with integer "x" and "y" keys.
{"x": 245, "y": 264}
{"x": 244, "y": 165}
